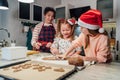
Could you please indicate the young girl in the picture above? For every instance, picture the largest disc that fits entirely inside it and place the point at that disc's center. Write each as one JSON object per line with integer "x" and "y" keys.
{"x": 64, "y": 38}
{"x": 93, "y": 38}
{"x": 44, "y": 32}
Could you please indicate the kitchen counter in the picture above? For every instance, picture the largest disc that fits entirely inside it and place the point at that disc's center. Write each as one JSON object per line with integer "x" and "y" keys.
{"x": 6, "y": 63}
{"x": 94, "y": 72}
{"x": 98, "y": 72}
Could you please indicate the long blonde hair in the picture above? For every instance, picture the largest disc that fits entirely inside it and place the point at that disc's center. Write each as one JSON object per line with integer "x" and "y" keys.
{"x": 64, "y": 21}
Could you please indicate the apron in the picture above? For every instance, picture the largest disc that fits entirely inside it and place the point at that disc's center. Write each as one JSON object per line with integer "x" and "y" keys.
{"x": 46, "y": 35}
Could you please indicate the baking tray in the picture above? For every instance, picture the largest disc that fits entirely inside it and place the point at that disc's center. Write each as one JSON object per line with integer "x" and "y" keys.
{"x": 30, "y": 74}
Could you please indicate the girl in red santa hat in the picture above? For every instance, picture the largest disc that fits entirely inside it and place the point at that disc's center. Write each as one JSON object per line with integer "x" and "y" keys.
{"x": 93, "y": 38}
{"x": 64, "y": 37}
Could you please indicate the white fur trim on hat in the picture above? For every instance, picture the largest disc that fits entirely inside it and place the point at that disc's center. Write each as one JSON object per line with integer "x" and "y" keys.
{"x": 69, "y": 22}
{"x": 101, "y": 30}
{"x": 86, "y": 25}
{"x": 76, "y": 22}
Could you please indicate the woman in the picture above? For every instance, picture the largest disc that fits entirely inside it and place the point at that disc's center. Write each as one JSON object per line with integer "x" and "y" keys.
{"x": 44, "y": 32}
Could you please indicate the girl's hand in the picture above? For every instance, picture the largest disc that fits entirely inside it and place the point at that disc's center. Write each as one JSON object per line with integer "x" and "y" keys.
{"x": 75, "y": 55}
{"x": 54, "y": 51}
{"x": 49, "y": 45}
{"x": 37, "y": 45}
{"x": 62, "y": 56}
{"x": 71, "y": 54}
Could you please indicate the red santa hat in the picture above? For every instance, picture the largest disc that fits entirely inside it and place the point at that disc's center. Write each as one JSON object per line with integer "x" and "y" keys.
{"x": 72, "y": 21}
{"x": 92, "y": 20}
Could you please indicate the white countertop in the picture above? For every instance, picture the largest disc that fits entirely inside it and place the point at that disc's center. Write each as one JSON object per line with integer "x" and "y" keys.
{"x": 4, "y": 62}
{"x": 98, "y": 72}
{"x": 9, "y": 62}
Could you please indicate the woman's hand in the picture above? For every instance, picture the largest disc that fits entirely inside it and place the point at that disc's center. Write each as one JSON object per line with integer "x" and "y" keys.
{"x": 48, "y": 44}
{"x": 54, "y": 51}
{"x": 37, "y": 45}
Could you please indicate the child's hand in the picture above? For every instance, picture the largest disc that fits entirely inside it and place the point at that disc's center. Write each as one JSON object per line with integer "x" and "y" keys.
{"x": 48, "y": 45}
{"x": 75, "y": 55}
{"x": 63, "y": 56}
{"x": 54, "y": 51}
{"x": 37, "y": 45}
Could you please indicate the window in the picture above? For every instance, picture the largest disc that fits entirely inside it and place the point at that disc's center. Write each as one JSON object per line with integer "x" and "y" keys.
{"x": 24, "y": 11}
{"x": 76, "y": 12}
{"x": 37, "y": 13}
{"x": 106, "y": 7}
{"x": 60, "y": 12}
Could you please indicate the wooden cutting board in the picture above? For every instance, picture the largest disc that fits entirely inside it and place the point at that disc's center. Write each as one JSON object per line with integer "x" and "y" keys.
{"x": 31, "y": 74}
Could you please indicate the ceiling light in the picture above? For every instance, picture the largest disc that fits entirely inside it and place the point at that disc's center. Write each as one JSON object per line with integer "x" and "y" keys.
{"x": 26, "y": 1}
{"x": 3, "y": 4}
